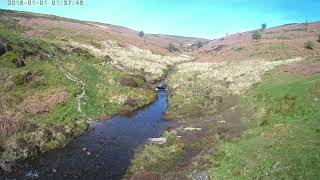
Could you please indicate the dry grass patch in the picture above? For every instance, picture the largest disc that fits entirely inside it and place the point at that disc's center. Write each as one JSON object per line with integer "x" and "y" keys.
{"x": 132, "y": 58}
{"x": 43, "y": 102}
{"x": 10, "y": 122}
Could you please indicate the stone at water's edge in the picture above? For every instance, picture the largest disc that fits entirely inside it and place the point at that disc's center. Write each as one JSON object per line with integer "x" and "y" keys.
{"x": 192, "y": 129}
{"x": 157, "y": 140}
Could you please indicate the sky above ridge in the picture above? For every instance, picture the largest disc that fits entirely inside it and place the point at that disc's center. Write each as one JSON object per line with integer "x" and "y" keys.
{"x": 198, "y": 18}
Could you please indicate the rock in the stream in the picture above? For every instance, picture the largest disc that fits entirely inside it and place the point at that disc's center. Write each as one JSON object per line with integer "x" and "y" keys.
{"x": 192, "y": 129}
{"x": 32, "y": 174}
{"x": 157, "y": 140}
{"x": 6, "y": 166}
{"x": 201, "y": 176}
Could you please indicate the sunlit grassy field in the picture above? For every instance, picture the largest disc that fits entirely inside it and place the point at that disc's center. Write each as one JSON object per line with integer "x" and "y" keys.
{"x": 283, "y": 138}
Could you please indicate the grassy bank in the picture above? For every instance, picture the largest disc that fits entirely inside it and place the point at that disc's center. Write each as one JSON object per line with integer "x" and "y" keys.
{"x": 283, "y": 138}
{"x": 198, "y": 89}
{"x": 38, "y": 105}
{"x": 157, "y": 159}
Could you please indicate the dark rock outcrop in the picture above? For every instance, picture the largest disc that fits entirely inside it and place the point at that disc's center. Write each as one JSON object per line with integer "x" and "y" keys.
{"x": 19, "y": 63}
{"x": 3, "y": 48}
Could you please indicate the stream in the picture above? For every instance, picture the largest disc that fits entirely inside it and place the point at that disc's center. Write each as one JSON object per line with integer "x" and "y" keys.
{"x": 105, "y": 151}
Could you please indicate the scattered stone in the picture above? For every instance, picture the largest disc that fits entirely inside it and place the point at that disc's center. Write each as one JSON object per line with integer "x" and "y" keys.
{"x": 157, "y": 140}
{"x": 54, "y": 170}
{"x": 88, "y": 153}
{"x": 192, "y": 129}
{"x": 233, "y": 108}
{"x": 84, "y": 149}
{"x": 201, "y": 176}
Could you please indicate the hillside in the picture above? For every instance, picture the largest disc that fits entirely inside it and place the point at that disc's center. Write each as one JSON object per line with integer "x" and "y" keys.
{"x": 277, "y": 43}
{"x": 40, "y": 25}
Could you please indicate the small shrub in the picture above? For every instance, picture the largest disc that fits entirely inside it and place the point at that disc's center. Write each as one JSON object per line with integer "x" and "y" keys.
{"x": 18, "y": 79}
{"x": 141, "y": 34}
{"x": 131, "y": 102}
{"x": 306, "y": 24}
{"x": 286, "y": 104}
{"x": 133, "y": 81}
{"x": 171, "y": 138}
{"x": 264, "y": 26}
{"x": 199, "y": 44}
{"x": 308, "y": 45}
{"x": 266, "y": 120}
{"x": 172, "y": 48}
{"x": 96, "y": 44}
{"x": 256, "y": 35}
{"x": 107, "y": 59}
{"x": 239, "y": 49}
{"x": 318, "y": 38}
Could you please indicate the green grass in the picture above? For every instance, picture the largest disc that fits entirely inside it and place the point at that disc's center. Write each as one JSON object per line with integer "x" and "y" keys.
{"x": 256, "y": 52}
{"x": 239, "y": 49}
{"x": 158, "y": 158}
{"x": 285, "y": 146}
{"x": 279, "y": 47}
{"x": 282, "y": 36}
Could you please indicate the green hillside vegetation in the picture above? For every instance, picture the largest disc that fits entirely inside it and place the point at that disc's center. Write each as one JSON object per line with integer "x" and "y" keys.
{"x": 38, "y": 101}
